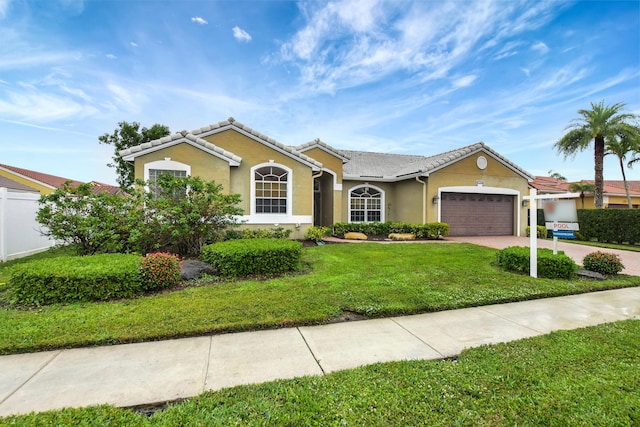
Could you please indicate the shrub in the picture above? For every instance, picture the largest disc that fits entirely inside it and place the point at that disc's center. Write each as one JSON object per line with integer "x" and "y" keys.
{"x": 517, "y": 259}
{"x": 77, "y": 278}
{"x": 317, "y": 233}
{"x": 433, "y": 230}
{"x": 603, "y": 263}
{"x": 245, "y": 257}
{"x": 541, "y": 231}
{"x": 258, "y": 233}
{"x": 159, "y": 271}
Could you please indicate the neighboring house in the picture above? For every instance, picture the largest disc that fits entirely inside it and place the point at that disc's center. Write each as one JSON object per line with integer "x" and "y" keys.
{"x": 44, "y": 183}
{"x": 19, "y": 231}
{"x": 473, "y": 189}
{"x": 614, "y": 195}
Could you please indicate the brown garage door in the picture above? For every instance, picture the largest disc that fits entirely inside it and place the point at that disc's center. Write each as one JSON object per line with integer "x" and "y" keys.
{"x": 470, "y": 214}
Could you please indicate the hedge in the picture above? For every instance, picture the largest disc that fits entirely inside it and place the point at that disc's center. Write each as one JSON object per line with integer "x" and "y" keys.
{"x": 433, "y": 230}
{"x": 77, "y": 278}
{"x": 246, "y": 257}
{"x": 518, "y": 259}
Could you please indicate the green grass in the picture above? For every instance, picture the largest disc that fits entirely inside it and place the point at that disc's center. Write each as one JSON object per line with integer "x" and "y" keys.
{"x": 371, "y": 279}
{"x": 585, "y": 377}
{"x": 633, "y": 248}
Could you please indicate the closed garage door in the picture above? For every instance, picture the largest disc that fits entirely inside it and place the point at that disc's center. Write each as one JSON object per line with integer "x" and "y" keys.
{"x": 470, "y": 214}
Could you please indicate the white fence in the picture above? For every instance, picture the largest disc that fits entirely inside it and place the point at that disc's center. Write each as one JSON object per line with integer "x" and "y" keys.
{"x": 19, "y": 231}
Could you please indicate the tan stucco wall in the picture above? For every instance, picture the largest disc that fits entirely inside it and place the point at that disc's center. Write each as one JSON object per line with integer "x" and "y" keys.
{"x": 466, "y": 173}
{"x": 253, "y": 153}
{"x": 206, "y": 166}
{"x": 41, "y": 188}
{"x": 329, "y": 161}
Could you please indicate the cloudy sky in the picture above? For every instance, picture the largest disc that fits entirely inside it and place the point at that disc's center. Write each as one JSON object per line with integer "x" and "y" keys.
{"x": 413, "y": 77}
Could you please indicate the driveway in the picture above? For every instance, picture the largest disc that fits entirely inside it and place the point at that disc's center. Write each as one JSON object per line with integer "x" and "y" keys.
{"x": 630, "y": 259}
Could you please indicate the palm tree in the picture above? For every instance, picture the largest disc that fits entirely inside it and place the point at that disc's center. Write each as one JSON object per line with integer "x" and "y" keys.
{"x": 621, "y": 147}
{"x": 582, "y": 187}
{"x": 602, "y": 122}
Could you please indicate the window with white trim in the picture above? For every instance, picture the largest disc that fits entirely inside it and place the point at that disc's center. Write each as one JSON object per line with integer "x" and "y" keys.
{"x": 155, "y": 174}
{"x": 365, "y": 204}
{"x": 271, "y": 185}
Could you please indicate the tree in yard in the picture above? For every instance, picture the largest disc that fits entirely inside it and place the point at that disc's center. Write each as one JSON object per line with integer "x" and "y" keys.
{"x": 181, "y": 215}
{"x": 556, "y": 175}
{"x": 599, "y": 124}
{"x": 129, "y": 135}
{"x": 621, "y": 147}
{"x": 582, "y": 188}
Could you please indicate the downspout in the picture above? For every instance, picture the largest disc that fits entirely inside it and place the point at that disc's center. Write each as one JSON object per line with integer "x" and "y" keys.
{"x": 424, "y": 199}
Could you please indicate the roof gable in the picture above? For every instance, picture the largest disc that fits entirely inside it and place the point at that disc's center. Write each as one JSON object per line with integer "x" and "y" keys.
{"x": 231, "y": 123}
{"x": 394, "y": 167}
{"x": 178, "y": 138}
{"x": 317, "y": 143}
{"x": 47, "y": 180}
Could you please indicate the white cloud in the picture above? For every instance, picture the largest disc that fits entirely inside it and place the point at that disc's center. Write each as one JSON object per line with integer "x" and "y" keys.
{"x": 464, "y": 81}
{"x": 111, "y": 56}
{"x": 4, "y": 6}
{"x": 199, "y": 20}
{"x": 241, "y": 35}
{"x": 133, "y": 44}
{"x": 540, "y": 47}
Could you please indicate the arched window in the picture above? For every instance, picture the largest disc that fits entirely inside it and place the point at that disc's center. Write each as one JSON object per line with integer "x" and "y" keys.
{"x": 366, "y": 204}
{"x": 271, "y": 185}
{"x": 153, "y": 171}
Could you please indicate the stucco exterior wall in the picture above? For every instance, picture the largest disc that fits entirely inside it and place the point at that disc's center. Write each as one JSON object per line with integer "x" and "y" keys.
{"x": 254, "y": 153}
{"x": 41, "y": 188}
{"x": 466, "y": 173}
{"x": 204, "y": 165}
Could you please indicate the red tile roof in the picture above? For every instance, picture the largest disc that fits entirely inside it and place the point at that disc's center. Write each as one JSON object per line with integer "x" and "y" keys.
{"x": 547, "y": 184}
{"x": 42, "y": 178}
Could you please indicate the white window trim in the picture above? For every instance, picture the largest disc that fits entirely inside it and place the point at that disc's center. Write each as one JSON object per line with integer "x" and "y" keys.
{"x": 273, "y": 218}
{"x": 166, "y": 164}
{"x": 382, "y": 200}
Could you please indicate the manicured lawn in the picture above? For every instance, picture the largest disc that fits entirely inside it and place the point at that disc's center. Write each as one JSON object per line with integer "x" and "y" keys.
{"x": 371, "y": 279}
{"x": 633, "y": 248}
{"x": 585, "y": 377}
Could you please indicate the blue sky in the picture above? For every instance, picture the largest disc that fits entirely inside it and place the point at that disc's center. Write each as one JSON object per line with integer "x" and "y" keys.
{"x": 407, "y": 77}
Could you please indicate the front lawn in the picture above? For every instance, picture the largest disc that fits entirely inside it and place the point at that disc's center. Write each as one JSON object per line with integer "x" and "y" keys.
{"x": 585, "y": 377}
{"x": 371, "y": 279}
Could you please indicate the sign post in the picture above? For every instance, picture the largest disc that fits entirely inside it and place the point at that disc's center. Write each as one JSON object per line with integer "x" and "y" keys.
{"x": 533, "y": 198}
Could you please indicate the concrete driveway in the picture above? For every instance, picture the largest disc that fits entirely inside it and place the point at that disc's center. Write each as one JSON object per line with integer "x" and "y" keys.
{"x": 630, "y": 259}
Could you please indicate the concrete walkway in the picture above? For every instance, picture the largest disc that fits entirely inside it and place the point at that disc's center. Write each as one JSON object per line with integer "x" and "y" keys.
{"x": 161, "y": 371}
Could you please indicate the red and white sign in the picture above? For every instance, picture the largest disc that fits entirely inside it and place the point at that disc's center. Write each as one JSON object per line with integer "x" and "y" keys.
{"x": 557, "y": 225}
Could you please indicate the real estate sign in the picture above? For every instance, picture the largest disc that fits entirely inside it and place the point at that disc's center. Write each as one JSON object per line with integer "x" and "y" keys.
{"x": 561, "y": 215}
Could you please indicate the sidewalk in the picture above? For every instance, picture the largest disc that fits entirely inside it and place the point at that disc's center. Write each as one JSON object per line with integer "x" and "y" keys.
{"x": 161, "y": 371}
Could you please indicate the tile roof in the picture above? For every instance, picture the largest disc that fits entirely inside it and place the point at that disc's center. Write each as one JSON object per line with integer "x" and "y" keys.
{"x": 233, "y": 123}
{"x": 39, "y": 177}
{"x": 317, "y": 143}
{"x": 364, "y": 164}
{"x": 130, "y": 153}
{"x": 101, "y": 187}
{"x": 546, "y": 184}
{"x": 14, "y": 185}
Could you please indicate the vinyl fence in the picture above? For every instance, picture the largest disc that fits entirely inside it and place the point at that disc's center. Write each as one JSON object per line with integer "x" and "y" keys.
{"x": 19, "y": 231}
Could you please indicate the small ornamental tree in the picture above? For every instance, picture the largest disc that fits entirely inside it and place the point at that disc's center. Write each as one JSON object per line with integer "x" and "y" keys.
{"x": 93, "y": 221}
{"x": 181, "y": 215}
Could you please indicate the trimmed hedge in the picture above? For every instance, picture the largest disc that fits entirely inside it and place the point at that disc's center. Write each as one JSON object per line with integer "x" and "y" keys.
{"x": 606, "y": 225}
{"x": 433, "y": 230}
{"x": 246, "y": 257}
{"x": 77, "y": 278}
{"x": 258, "y": 233}
{"x": 517, "y": 259}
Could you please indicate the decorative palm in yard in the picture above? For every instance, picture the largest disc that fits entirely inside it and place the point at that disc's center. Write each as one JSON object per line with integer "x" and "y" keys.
{"x": 622, "y": 147}
{"x": 602, "y": 123}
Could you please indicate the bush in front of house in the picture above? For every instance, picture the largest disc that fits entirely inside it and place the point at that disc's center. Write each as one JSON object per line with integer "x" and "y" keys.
{"x": 432, "y": 230}
{"x": 258, "y": 233}
{"x": 316, "y": 234}
{"x": 246, "y": 257}
{"x": 159, "y": 271}
{"x": 541, "y": 231}
{"x": 77, "y": 278}
{"x": 603, "y": 263}
{"x": 550, "y": 266}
